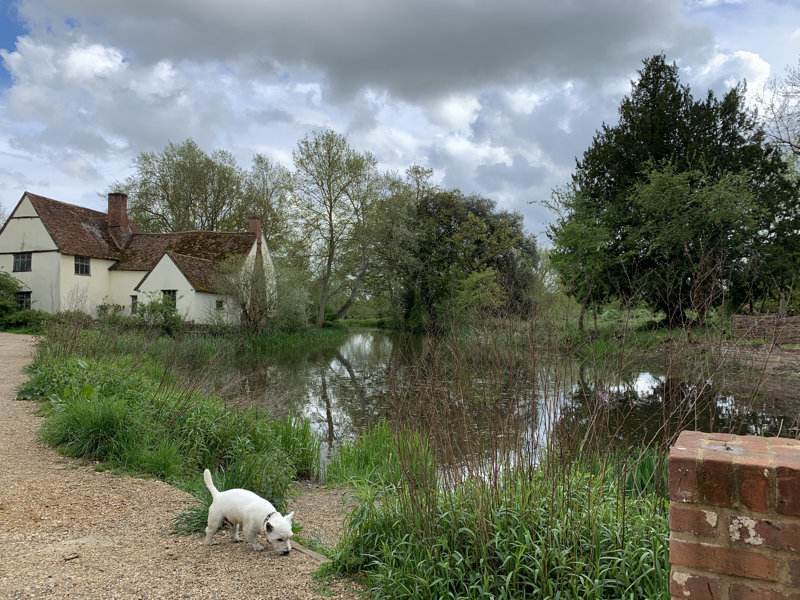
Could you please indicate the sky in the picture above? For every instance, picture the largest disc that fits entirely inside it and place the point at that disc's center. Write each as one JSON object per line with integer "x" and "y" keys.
{"x": 498, "y": 97}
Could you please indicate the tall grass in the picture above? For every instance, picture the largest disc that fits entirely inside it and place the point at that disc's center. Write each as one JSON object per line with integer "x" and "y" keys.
{"x": 529, "y": 497}
{"x": 123, "y": 401}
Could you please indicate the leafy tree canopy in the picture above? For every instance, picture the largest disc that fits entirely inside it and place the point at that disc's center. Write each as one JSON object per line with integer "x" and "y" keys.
{"x": 673, "y": 169}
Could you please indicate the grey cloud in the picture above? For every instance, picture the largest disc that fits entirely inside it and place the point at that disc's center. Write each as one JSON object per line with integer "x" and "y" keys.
{"x": 414, "y": 49}
{"x": 519, "y": 174}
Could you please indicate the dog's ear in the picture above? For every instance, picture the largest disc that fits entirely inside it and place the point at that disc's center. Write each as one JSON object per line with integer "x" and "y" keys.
{"x": 289, "y": 516}
{"x": 268, "y": 526}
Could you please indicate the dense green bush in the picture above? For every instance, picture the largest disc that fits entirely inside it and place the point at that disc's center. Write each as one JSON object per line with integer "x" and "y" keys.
{"x": 25, "y": 321}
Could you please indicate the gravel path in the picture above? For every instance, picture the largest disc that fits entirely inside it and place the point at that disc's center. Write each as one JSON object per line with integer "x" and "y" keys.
{"x": 68, "y": 531}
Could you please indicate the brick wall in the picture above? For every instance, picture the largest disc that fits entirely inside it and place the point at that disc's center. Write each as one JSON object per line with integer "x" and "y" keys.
{"x": 734, "y": 517}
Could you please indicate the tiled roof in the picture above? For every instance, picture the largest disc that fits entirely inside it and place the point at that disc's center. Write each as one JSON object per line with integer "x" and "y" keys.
{"x": 74, "y": 229}
{"x": 145, "y": 249}
{"x": 198, "y": 271}
{"x": 85, "y": 232}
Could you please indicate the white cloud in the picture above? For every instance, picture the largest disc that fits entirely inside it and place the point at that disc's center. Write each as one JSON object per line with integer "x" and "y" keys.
{"x": 86, "y": 62}
{"x": 499, "y": 98}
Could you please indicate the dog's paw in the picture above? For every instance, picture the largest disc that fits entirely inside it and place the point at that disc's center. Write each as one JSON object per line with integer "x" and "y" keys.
{"x": 258, "y": 547}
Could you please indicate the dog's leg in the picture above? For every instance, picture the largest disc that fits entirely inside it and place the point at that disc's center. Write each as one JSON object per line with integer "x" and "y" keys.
{"x": 235, "y": 532}
{"x": 251, "y": 535}
{"x": 214, "y": 522}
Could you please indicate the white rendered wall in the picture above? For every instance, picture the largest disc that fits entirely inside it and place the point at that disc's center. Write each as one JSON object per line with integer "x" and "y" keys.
{"x": 167, "y": 276}
{"x": 42, "y": 281}
{"x": 85, "y": 292}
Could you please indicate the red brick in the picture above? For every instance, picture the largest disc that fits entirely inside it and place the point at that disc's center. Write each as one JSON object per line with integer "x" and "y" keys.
{"x": 718, "y": 480}
{"x": 696, "y": 587}
{"x": 682, "y": 477}
{"x": 691, "y": 520}
{"x": 794, "y": 572}
{"x": 754, "y": 444}
{"x": 768, "y": 533}
{"x": 740, "y": 591}
{"x": 715, "y": 439}
{"x": 781, "y": 445}
{"x": 733, "y": 561}
{"x": 690, "y": 440}
{"x": 787, "y": 501}
{"x": 754, "y": 483}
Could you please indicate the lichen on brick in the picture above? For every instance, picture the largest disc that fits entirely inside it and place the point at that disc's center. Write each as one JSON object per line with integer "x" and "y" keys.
{"x": 749, "y": 526}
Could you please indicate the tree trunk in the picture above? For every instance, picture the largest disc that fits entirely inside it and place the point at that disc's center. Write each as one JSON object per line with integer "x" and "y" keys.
{"x": 353, "y": 293}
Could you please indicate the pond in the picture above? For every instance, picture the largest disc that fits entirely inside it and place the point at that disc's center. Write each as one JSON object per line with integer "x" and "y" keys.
{"x": 530, "y": 399}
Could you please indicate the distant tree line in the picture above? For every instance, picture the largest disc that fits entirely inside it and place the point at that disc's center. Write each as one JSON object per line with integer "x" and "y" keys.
{"x": 685, "y": 204}
{"x": 341, "y": 231}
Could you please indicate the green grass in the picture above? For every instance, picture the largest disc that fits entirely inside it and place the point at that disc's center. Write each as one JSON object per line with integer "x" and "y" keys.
{"x": 381, "y": 458}
{"x": 585, "y": 534}
{"x": 130, "y": 413}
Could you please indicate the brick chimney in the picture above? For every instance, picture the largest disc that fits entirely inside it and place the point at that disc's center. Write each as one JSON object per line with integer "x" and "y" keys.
{"x": 117, "y": 209}
{"x": 254, "y": 226}
{"x": 120, "y": 228}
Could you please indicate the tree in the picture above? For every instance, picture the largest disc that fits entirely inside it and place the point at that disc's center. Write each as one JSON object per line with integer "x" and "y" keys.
{"x": 266, "y": 194}
{"x": 331, "y": 195}
{"x": 781, "y": 105}
{"x": 462, "y": 241}
{"x": 183, "y": 188}
{"x": 602, "y": 238}
{"x": 250, "y": 284}
{"x": 707, "y": 229}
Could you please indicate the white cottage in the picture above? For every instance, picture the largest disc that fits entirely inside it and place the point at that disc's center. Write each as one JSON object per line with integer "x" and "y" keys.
{"x": 73, "y": 258}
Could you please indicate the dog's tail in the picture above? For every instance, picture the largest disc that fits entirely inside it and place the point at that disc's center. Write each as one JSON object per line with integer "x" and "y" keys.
{"x": 210, "y": 483}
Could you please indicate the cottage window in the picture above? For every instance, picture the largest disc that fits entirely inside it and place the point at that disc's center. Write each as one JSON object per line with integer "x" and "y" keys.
{"x": 220, "y": 304}
{"x": 23, "y": 300}
{"x": 134, "y": 303}
{"x": 170, "y": 296}
{"x": 22, "y": 262}
{"x": 82, "y": 265}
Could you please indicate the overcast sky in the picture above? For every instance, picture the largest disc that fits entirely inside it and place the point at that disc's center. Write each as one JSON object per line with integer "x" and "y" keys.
{"x": 497, "y": 96}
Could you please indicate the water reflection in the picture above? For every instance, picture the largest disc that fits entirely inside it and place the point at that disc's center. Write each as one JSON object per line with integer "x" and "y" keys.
{"x": 374, "y": 375}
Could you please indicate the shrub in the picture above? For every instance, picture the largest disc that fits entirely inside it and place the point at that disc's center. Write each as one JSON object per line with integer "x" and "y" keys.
{"x": 9, "y": 286}
{"x": 28, "y": 321}
{"x": 161, "y": 315}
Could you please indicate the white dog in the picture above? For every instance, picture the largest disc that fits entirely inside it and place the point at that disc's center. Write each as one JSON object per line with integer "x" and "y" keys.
{"x": 251, "y": 512}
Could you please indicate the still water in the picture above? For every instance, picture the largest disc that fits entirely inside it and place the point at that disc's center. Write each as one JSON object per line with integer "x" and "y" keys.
{"x": 375, "y": 375}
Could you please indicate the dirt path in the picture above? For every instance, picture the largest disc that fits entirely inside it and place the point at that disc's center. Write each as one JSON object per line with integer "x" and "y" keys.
{"x": 67, "y": 531}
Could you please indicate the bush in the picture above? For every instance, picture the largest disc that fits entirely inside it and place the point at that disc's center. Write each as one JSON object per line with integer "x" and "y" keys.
{"x": 25, "y": 321}
{"x": 9, "y": 286}
{"x": 161, "y": 315}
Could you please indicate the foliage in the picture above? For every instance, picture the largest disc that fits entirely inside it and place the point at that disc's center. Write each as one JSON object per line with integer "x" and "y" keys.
{"x": 9, "y": 286}
{"x": 707, "y": 151}
{"x": 334, "y": 188}
{"x": 584, "y": 533}
{"x": 26, "y": 321}
{"x": 131, "y": 413}
{"x": 249, "y": 282}
{"x": 372, "y": 458}
{"x": 459, "y": 241}
{"x": 292, "y": 301}
{"x": 160, "y": 314}
{"x": 183, "y": 188}
{"x": 267, "y": 190}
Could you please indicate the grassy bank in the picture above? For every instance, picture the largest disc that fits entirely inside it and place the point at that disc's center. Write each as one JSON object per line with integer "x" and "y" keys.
{"x": 591, "y": 528}
{"x": 119, "y": 398}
